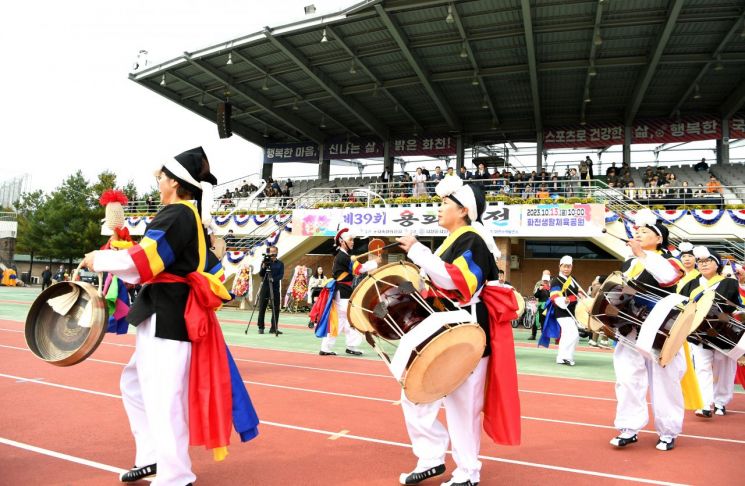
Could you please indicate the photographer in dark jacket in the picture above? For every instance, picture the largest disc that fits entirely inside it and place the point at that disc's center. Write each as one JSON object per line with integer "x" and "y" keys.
{"x": 272, "y": 271}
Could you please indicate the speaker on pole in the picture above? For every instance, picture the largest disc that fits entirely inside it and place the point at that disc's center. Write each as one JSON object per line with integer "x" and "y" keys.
{"x": 223, "y": 119}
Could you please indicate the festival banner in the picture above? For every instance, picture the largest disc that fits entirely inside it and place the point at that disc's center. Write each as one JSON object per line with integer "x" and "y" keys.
{"x": 356, "y": 148}
{"x": 687, "y": 129}
{"x": 370, "y": 147}
{"x": 737, "y": 126}
{"x": 574, "y": 220}
{"x": 290, "y": 152}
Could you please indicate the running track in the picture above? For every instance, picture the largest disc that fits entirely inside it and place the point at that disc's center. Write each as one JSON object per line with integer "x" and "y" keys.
{"x": 333, "y": 421}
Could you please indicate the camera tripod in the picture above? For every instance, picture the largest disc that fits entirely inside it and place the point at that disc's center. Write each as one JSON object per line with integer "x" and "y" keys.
{"x": 267, "y": 279}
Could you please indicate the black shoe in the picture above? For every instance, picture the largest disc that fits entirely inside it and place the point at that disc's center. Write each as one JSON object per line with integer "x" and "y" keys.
{"x": 464, "y": 483}
{"x": 137, "y": 473}
{"x": 663, "y": 445}
{"x": 327, "y": 353}
{"x": 704, "y": 413}
{"x": 720, "y": 410}
{"x": 531, "y": 338}
{"x": 418, "y": 477}
{"x": 311, "y": 325}
{"x": 274, "y": 331}
{"x": 261, "y": 331}
{"x": 623, "y": 441}
{"x": 354, "y": 352}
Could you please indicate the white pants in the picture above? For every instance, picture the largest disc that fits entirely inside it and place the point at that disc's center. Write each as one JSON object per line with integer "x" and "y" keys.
{"x": 634, "y": 374}
{"x": 569, "y": 339}
{"x": 429, "y": 438}
{"x": 716, "y": 376}
{"x": 352, "y": 336}
{"x": 155, "y": 392}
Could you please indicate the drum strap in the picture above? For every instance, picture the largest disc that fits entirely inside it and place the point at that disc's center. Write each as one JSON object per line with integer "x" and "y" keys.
{"x": 699, "y": 291}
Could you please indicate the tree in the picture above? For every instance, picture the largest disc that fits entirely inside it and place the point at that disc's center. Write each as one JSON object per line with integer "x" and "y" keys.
{"x": 30, "y": 237}
{"x": 130, "y": 190}
{"x": 72, "y": 219}
{"x": 106, "y": 180}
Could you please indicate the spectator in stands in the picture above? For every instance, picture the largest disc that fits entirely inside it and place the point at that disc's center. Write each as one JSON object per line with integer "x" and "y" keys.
{"x": 244, "y": 188}
{"x": 438, "y": 175}
{"x": 612, "y": 169}
{"x": 529, "y": 189}
{"x": 450, "y": 172}
{"x": 588, "y": 163}
{"x": 482, "y": 172}
{"x": 699, "y": 191}
{"x": 713, "y": 186}
{"x": 701, "y": 166}
{"x": 554, "y": 186}
{"x": 229, "y": 240}
{"x": 542, "y": 192}
{"x": 464, "y": 174}
{"x": 583, "y": 171}
{"x": 420, "y": 183}
{"x": 684, "y": 191}
{"x": 407, "y": 185}
{"x": 289, "y": 183}
{"x": 573, "y": 182}
{"x": 345, "y": 196}
{"x": 150, "y": 204}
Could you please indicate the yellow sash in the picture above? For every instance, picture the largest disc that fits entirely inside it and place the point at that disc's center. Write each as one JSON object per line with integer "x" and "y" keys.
{"x": 692, "y": 398}
{"x": 687, "y": 278}
{"x": 709, "y": 284}
{"x": 452, "y": 237}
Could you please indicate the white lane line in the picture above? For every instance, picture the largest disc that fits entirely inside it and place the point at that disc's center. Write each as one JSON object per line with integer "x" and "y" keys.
{"x": 60, "y": 455}
{"x": 344, "y": 434}
{"x": 521, "y": 390}
{"x": 374, "y": 399}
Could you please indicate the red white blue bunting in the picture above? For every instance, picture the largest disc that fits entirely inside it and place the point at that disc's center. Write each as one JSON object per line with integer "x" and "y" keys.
{"x": 221, "y": 220}
{"x": 628, "y": 225}
{"x": 288, "y": 227}
{"x": 148, "y": 219}
{"x": 669, "y": 216}
{"x": 629, "y": 215}
{"x": 273, "y": 238}
{"x": 707, "y": 217}
{"x": 611, "y": 216}
{"x": 737, "y": 215}
{"x": 241, "y": 219}
{"x": 260, "y": 219}
{"x": 133, "y": 221}
{"x": 281, "y": 219}
{"x": 235, "y": 257}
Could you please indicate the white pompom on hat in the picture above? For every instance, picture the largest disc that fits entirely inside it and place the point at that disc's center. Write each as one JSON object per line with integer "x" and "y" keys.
{"x": 566, "y": 260}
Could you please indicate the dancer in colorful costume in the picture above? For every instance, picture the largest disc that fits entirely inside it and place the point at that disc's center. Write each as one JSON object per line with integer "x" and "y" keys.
{"x": 181, "y": 386}
{"x": 464, "y": 269}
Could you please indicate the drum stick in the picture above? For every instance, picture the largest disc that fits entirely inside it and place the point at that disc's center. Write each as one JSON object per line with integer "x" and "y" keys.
{"x": 390, "y": 245}
{"x": 605, "y": 230}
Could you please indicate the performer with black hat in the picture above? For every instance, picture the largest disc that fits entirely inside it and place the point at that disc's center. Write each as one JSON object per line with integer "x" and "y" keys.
{"x": 653, "y": 269}
{"x": 714, "y": 370}
{"x": 180, "y": 355}
{"x": 344, "y": 269}
{"x": 460, "y": 269}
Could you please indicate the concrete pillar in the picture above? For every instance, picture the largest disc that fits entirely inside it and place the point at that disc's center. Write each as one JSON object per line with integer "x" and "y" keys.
{"x": 627, "y": 145}
{"x": 324, "y": 165}
{"x": 723, "y": 144}
{"x": 460, "y": 153}
{"x": 266, "y": 171}
{"x": 539, "y": 152}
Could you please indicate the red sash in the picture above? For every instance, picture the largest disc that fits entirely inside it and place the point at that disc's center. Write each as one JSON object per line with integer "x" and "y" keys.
{"x": 210, "y": 401}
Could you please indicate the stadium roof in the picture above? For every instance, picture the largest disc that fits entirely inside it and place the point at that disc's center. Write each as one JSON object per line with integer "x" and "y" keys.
{"x": 496, "y": 69}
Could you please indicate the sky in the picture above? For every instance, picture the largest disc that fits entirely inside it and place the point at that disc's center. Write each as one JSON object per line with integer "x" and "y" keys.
{"x": 68, "y": 103}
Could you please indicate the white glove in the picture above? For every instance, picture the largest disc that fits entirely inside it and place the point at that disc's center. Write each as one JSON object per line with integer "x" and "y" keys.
{"x": 561, "y": 302}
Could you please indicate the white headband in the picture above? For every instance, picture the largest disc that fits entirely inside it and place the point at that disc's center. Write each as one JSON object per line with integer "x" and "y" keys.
{"x": 175, "y": 168}
{"x": 453, "y": 186}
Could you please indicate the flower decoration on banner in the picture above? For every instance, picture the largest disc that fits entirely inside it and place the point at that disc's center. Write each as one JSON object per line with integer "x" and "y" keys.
{"x": 707, "y": 217}
{"x": 737, "y": 215}
{"x": 221, "y": 220}
{"x": 260, "y": 219}
{"x": 133, "y": 221}
{"x": 241, "y": 219}
{"x": 281, "y": 219}
{"x": 611, "y": 216}
{"x": 669, "y": 216}
{"x": 235, "y": 257}
{"x": 148, "y": 219}
{"x": 273, "y": 238}
{"x": 628, "y": 224}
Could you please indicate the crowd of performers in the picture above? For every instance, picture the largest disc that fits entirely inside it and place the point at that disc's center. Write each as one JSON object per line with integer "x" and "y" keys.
{"x": 182, "y": 387}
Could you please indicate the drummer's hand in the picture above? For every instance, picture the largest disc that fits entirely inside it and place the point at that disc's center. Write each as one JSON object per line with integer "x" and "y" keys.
{"x": 406, "y": 242}
{"x": 636, "y": 248}
{"x": 88, "y": 261}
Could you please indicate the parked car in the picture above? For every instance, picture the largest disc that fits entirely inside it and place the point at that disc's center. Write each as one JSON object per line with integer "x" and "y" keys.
{"x": 90, "y": 277}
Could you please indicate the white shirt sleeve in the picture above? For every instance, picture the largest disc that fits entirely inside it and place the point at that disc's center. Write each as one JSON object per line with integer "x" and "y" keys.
{"x": 661, "y": 269}
{"x": 118, "y": 262}
{"x": 432, "y": 265}
{"x": 369, "y": 265}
